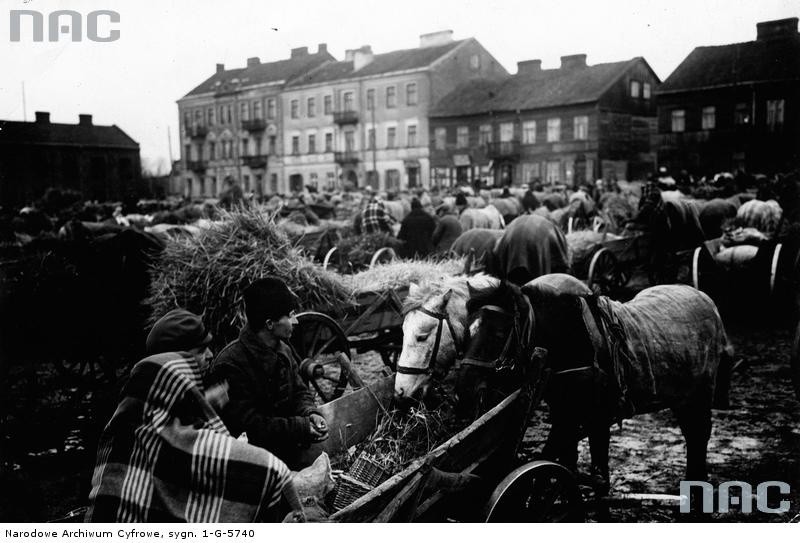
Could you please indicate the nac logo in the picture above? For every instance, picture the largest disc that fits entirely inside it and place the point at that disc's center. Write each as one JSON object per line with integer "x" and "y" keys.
{"x": 738, "y": 494}
{"x": 65, "y": 22}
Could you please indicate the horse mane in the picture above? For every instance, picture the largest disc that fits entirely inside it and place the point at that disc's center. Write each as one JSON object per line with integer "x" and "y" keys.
{"x": 439, "y": 287}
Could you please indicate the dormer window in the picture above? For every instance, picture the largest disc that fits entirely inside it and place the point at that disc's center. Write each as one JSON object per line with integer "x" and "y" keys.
{"x": 636, "y": 88}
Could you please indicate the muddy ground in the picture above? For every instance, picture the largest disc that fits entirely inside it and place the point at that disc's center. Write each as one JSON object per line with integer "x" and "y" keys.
{"x": 48, "y": 421}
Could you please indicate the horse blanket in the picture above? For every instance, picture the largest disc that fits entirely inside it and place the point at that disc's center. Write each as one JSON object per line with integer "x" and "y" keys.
{"x": 713, "y": 214}
{"x": 481, "y": 240}
{"x": 683, "y": 227}
{"x": 507, "y": 206}
{"x": 531, "y": 246}
{"x": 666, "y": 337}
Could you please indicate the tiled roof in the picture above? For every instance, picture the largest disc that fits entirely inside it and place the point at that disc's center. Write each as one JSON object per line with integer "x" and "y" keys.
{"x": 268, "y": 72}
{"x": 65, "y": 134}
{"x": 395, "y": 61}
{"x": 760, "y": 60}
{"x": 541, "y": 89}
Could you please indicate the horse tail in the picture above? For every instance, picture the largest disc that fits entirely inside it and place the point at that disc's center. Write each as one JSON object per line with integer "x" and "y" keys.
{"x": 723, "y": 380}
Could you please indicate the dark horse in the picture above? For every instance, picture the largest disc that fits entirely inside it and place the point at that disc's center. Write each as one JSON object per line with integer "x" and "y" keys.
{"x": 608, "y": 360}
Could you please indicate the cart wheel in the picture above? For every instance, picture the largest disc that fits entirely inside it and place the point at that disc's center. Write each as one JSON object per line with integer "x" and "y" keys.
{"x": 327, "y": 259}
{"x": 773, "y": 269}
{"x": 319, "y": 340}
{"x": 539, "y": 491}
{"x": 704, "y": 270}
{"x": 381, "y": 256}
{"x": 605, "y": 274}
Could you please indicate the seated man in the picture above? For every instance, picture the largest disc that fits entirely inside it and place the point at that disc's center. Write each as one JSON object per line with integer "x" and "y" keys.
{"x": 166, "y": 456}
{"x": 268, "y": 400}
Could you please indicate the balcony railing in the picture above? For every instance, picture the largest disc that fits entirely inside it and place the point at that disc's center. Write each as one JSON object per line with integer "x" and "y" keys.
{"x": 345, "y": 157}
{"x": 255, "y": 161}
{"x": 198, "y": 131}
{"x": 345, "y": 117}
{"x": 198, "y": 166}
{"x": 254, "y": 125}
{"x": 503, "y": 149}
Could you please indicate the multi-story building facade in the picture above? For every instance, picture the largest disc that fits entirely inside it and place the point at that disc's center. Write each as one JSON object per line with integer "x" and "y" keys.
{"x": 734, "y": 107}
{"x": 567, "y": 125}
{"x": 364, "y": 120}
{"x": 102, "y": 162}
{"x": 231, "y": 125}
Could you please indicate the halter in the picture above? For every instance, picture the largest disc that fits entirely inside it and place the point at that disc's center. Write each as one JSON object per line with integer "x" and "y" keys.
{"x": 429, "y": 368}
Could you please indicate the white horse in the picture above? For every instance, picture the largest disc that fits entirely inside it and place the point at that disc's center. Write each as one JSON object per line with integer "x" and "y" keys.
{"x": 487, "y": 217}
{"x": 433, "y": 331}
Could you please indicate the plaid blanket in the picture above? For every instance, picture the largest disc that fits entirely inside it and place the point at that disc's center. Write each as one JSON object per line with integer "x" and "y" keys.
{"x": 165, "y": 455}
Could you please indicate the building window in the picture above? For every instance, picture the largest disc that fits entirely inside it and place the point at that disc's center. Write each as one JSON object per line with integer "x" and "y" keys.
{"x": 212, "y": 151}
{"x": 329, "y": 142}
{"x": 273, "y": 183}
{"x": 506, "y": 132}
{"x": 485, "y": 134}
{"x": 678, "y": 120}
{"x": 258, "y": 110}
{"x": 327, "y": 104}
{"x": 295, "y": 145}
{"x": 187, "y": 119}
{"x": 229, "y": 113}
{"x": 553, "y": 130}
{"x": 635, "y": 89}
{"x": 742, "y": 114}
{"x": 646, "y": 91}
{"x": 392, "y": 179}
{"x": 411, "y": 135}
{"x": 313, "y": 180}
{"x": 475, "y": 62}
{"x": 257, "y": 142}
{"x": 271, "y": 108}
{"x": 244, "y": 111}
{"x": 349, "y": 141}
{"x": 709, "y": 118}
{"x": 210, "y": 114}
{"x": 529, "y": 132}
{"x": 312, "y": 143}
{"x": 370, "y": 99}
{"x": 272, "y": 143}
{"x": 245, "y": 149}
{"x": 391, "y": 137}
{"x": 198, "y": 117}
{"x": 348, "y": 102}
{"x": 553, "y": 172}
{"x": 311, "y": 108}
{"x": 462, "y": 137}
{"x": 775, "y": 109}
{"x": 295, "y": 109}
{"x": 371, "y": 138}
{"x": 411, "y": 94}
{"x": 221, "y": 117}
{"x": 581, "y": 127}
{"x": 246, "y": 181}
{"x": 331, "y": 180}
{"x": 440, "y": 138}
{"x": 391, "y": 97}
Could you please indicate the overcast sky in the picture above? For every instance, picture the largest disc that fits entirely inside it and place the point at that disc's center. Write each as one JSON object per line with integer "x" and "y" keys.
{"x": 166, "y": 47}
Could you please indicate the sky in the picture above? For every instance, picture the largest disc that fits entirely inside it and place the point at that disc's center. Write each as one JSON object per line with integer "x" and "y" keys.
{"x": 167, "y": 47}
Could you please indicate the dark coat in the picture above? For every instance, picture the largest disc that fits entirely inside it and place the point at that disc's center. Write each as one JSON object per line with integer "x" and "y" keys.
{"x": 416, "y": 231}
{"x": 268, "y": 400}
{"x": 530, "y": 201}
{"x": 446, "y": 233}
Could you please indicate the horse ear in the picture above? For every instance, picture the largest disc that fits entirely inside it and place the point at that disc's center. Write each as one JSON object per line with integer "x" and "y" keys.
{"x": 472, "y": 290}
{"x": 446, "y": 299}
{"x": 413, "y": 289}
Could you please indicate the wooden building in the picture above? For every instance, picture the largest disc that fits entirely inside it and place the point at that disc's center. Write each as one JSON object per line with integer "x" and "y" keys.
{"x": 102, "y": 162}
{"x": 568, "y": 125}
{"x": 734, "y": 107}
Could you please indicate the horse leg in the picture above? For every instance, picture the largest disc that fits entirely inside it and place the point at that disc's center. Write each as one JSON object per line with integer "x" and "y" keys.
{"x": 562, "y": 444}
{"x": 599, "y": 437}
{"x": 695, "y": 423}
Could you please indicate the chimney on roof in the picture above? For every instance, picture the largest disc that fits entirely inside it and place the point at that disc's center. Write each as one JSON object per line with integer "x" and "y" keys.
{"x": 525, "y": 67}
{"x": 84, "y": 119}
{"x": 299, "y": 52}
{"x": 362, "y": 56}
{"x": 253, "y": 61}
{"x": 779, "y": 28}
{"x": 435, "y": 38}
{"x": 43, "y": 117}
{"x": 573, "y": 62}
{"x": 322, "y": 48}
{"x": 220, "y": 68}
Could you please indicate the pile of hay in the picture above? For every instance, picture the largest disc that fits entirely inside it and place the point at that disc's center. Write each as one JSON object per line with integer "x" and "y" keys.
{"x": 206, "y": 273}
{"x": 401, "y": 273}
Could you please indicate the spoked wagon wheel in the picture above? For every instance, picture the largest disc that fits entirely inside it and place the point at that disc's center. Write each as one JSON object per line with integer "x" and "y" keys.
{"x": 539, "y": 491}
{"x": 705, "y": 273}
{"x": 382, "y": 256}
{"x": 605, "y": 275}
{"x": 335, "y": 258}
{"x": 319, "y": 341}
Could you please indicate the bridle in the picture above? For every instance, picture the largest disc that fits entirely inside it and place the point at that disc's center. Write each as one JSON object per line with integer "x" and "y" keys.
{"x": 521, "y": 335}
{"x": 430, "y": 368}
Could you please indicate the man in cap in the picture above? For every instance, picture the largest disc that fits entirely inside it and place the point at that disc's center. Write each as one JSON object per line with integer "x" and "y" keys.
{"x": 268, "y": 400}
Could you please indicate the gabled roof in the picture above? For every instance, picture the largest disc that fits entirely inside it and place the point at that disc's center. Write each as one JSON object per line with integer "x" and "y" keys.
{"x": 19, "y": 132}
{"x": 395, "y": 61}
{"x": 535, "y": 90}
{"x": 268, "y": 72}
{"x": 725, "y": 65}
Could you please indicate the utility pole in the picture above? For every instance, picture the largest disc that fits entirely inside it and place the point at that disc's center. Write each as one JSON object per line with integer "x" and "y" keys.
{"x": 374, "y": 141}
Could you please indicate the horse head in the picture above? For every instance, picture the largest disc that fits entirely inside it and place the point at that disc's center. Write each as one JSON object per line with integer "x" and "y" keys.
{"x": 434, "y": 333}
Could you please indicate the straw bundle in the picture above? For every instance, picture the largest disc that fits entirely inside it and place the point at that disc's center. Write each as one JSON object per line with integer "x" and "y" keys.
{"x": 401, "y": 273}
{"x": 206, "y": 273}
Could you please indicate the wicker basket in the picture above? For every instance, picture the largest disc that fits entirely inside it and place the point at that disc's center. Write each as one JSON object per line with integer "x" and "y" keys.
{"x": 347, "y": 491}
{"x": 367, "y": 470}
